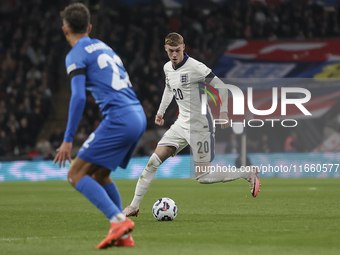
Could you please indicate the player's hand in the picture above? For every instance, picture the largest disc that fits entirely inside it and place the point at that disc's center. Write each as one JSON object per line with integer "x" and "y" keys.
{"x": 63, "y": 153}
{"x": 159, "y": 120}
{"x": 224, "y": 116}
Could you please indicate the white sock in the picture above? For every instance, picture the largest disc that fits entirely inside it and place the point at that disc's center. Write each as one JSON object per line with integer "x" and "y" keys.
{"x": 120, "y": 217}
{"x": 220, "y": 176}
{"x": 124, "y": 236}
{"x": 146, "y": 179}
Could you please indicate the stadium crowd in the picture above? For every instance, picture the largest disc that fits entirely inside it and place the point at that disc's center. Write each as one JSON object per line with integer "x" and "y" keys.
{"x": 29, "y": 50}
{"x": 31, "y": 43}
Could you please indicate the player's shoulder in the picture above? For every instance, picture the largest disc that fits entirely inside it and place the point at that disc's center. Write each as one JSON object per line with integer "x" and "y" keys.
{"x": 194, "y": 62}
{"x": 198, "y": 67}
{"x": 77, "y": 53}
{"x": 167, "y": 66}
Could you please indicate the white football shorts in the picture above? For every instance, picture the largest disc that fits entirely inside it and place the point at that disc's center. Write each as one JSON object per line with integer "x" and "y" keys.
{"x": 202, "y": 143}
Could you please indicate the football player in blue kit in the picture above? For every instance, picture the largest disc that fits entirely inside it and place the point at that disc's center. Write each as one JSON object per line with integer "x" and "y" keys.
{"x": 94, "y": 66}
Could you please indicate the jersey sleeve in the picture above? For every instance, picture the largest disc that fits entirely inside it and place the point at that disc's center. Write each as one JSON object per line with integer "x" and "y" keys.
{"x": 166, "y": 100}
{"x": 75, "y": 62}
{"x": 201, "y": 70}
{"x": 167, "y": 96}
{"x": 76, "y": 69}
{"x": 76, "y": 108}
{"x": 213, "y": 80}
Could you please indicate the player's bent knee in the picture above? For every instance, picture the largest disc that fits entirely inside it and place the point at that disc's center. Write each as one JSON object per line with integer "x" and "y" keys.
{"x": 164, "y": 152}
{"x": 70, "y": 178}
{"x": 78, "y": 170}
{"x": 154, "y": 163}
{"x": 74, "y": 175}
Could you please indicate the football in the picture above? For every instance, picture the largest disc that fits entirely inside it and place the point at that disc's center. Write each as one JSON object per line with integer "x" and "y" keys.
{"x": 164, "y": 209}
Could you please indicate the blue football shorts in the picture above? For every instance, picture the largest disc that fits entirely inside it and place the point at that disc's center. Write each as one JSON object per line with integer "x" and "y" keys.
{"x": 115, "y": 139}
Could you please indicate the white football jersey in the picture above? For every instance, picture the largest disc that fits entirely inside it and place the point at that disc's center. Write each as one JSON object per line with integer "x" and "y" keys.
{"x": 185, "y": 83}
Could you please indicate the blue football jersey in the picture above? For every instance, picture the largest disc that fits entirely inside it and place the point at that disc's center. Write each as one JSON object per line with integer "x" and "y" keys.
{"x": 106, "y": 77}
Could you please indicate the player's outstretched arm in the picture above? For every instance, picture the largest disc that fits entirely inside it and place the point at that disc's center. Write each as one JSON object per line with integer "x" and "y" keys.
{"x": 77, "y": 104}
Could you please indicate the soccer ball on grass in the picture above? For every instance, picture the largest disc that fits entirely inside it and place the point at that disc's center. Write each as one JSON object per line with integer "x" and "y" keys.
{"x": 164, "y": 209}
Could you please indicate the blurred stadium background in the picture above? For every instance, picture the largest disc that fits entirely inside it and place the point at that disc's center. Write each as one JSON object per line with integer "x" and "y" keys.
{"x": 237, "y": 39}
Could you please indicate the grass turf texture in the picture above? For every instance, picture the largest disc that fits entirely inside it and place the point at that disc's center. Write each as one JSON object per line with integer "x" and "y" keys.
{"x": 290, "y": 216}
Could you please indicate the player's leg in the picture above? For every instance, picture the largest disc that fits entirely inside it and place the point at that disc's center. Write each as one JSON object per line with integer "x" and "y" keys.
{"x": 171, "y": 143}
{"x": 148, "y": 175}
{"x": 206, "y": 174}
{"x": 110, "y": 146}
{"x": 204, "y": 152}
{"x": 102, "y": 176}
{"x": 133, "y": 131}
{"x": 79, "y": 176}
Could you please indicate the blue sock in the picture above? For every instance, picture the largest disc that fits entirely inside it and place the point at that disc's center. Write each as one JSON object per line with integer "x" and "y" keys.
{"x": 97, "y": 195}
{"x": 113, "y": 193}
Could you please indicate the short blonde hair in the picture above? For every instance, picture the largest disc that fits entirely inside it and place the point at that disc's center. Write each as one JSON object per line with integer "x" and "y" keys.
{"x": 174, "y": 39}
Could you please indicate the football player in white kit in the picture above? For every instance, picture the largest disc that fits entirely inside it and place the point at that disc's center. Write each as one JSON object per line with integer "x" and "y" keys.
{"x": 184, "y": 76}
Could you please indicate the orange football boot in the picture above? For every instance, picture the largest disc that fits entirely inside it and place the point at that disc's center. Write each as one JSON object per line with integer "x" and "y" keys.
{"x": 126, "y": 242}
{"x": 115, "y": 232}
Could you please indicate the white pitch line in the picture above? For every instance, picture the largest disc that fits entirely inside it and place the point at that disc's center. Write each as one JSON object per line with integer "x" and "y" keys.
{"x": 48, "y": 237}
{"x": 41, "y": 237}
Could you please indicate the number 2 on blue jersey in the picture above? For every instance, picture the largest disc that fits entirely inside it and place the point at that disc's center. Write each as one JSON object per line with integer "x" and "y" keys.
{"x": 86, "y": 144}
{"x": 120, "y": 78}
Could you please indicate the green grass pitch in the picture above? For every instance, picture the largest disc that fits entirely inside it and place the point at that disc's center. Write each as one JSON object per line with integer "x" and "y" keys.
{"x": 290, "y": 216}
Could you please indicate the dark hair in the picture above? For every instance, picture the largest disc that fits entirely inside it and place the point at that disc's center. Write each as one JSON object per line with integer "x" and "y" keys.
{"x": 77, "y": 17}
